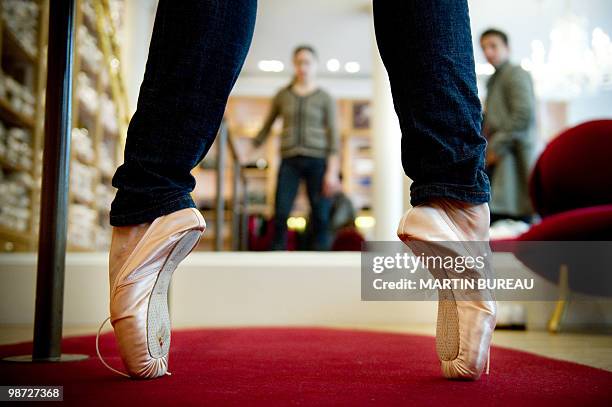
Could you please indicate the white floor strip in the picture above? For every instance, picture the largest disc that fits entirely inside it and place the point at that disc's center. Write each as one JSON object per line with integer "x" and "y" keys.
{"x": 238, "y": 289}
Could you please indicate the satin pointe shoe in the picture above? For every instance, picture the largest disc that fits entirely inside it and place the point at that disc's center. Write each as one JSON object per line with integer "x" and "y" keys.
{"x": 466, "y": 320}
{"x": 141, "y": 262}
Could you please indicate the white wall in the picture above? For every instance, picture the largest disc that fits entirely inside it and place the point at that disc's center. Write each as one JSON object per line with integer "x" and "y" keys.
{"x": 590, "y": 107}
{"x": 137, "y": 29}
{"x": 250, "y": 289}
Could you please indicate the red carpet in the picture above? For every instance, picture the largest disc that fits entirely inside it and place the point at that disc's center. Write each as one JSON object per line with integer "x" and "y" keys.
{"x": 310, "y": 367}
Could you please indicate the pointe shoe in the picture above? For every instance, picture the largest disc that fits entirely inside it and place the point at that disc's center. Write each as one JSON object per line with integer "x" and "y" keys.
{"x": 465, "y": 320}
{"x": 142, "y": 260}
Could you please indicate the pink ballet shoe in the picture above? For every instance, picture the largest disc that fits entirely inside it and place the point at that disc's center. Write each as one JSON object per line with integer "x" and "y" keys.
{"x": 465, "y": 321}
{"x": 139, "y": 280}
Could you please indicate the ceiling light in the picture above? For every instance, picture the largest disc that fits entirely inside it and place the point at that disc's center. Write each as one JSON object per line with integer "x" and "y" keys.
{"x": 271, "y": 65}
{"x": 333, "y": 65}
{"x": 352, "y": 67}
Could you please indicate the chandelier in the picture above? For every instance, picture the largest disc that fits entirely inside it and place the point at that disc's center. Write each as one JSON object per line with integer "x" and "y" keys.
{"x": 576, "y": 63}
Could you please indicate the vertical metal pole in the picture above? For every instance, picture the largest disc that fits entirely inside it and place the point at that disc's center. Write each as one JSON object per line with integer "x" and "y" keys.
{"x": 244, "y": 218}
{"x": 236, "y": 205}
{"x": 54, "y": 193}
{"x": 220, "y": 205}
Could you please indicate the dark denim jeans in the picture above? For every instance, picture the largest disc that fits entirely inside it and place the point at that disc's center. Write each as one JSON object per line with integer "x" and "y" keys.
{"x": 291, "y": 171}
{"x": 426, "y": 46}
{"x": 196, "y": 53}
{"x": 198, "y": 48}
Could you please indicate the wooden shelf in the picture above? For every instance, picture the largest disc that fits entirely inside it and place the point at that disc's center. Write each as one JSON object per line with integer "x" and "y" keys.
{"x": 211, "y": 215}
{"x": 92, "y": 71}
{"x": 258, "y": 208}
{"x": 92, "y": 119}
{"x": 12, "y": 46}
{"x": 110, "y": 134}
{"x": 73, "y": 247}
{"x": 34, "y": 77}
{"x": 89, "y": 163}
{"x": 77, "y": 199}
{"x": 256, "y": 172}
{"x": 21, "y": 236}
{"x": 210, "y": 237}
{"x": 86, "y": 118}
{"x": 12, "y": 167}
{"x": 107, "y": 176}
{"x": 90, "y": 24}
{"x": 363, "y": 133}
{"x": 27, "y": 68}
{"x": 11, "y": 116}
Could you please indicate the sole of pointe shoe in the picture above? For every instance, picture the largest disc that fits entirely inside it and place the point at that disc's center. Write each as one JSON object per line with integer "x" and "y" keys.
{"x": 448, "y": 338}
{"x": 447, "y": 330}
{"x": 158, "y": 316}
{"x": 447, "y": 326}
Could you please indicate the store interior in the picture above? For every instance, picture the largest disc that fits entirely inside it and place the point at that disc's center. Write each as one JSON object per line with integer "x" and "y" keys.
{"x": 233, "y": 279}
{"x": 109, "y": 66}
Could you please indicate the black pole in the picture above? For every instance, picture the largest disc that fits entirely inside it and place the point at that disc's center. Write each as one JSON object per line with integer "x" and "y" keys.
{"x": 236, "y": 204}
{"x": 244, "y": 216}
{"x": 220, "y": 204}
{"x": 55, "y": 177}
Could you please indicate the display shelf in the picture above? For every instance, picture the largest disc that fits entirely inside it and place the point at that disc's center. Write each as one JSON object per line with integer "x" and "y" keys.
{"x": 94, "y": 101}
{"x": 256, "y": 172}
{"x": 94, "y": 162}
{"x": 10, "y": 116}
{"x": 356, "y": 155}
{"x": 15, "y": 234}
{"x": 12, "y": 167}
{"x": 75, "y": 247}
{"x": 12, "y": 45}
{"x": 21, "y": 111}
{"x": 89, "y": 68}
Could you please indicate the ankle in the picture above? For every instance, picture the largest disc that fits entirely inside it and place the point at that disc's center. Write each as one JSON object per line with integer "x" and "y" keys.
{"x": 124, "y": 240}
{"x": 454, "y": 203}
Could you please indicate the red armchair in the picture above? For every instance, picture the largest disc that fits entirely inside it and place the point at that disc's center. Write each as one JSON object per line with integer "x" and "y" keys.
{"x": 571, "y": 189}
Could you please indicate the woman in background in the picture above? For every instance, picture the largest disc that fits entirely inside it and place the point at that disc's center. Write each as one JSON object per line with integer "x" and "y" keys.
{"x": 309, "y": 145}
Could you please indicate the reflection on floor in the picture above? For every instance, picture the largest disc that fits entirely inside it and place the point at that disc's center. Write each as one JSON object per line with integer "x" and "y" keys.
{"x": 588, "y": 349}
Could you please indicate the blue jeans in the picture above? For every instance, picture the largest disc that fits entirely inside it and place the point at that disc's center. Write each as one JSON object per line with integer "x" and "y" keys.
{"x": 291, "y": 171}
{"x": 426, "y": 46}
{"x": 197, "y": 51}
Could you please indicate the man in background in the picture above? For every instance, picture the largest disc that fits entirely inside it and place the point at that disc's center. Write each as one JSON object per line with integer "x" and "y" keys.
{"x": 509, "y": 126}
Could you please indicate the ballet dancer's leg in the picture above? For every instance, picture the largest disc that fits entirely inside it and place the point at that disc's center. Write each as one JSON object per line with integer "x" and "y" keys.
{"x": 426, "y": 47}
{"x": 196, "y": 53}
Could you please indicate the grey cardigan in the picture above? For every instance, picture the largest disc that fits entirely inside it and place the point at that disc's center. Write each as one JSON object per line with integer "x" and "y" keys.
{"x": 510, "y": 125}
{"x": 309, "y": 123}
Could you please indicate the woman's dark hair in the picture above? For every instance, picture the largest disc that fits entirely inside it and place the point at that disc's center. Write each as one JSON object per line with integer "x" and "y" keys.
{"x": 301, "y": 48}
{"x": 296, "y": 51}
{"x": 496, "y": 32}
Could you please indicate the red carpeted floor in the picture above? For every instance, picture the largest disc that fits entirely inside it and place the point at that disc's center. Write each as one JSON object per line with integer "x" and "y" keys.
{"x": 310, "y": 367}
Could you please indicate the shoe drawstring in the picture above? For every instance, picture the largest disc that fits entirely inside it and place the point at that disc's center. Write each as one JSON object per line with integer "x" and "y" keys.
{"x": 98, "y": 351}
{"x": 112, "y": 369}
